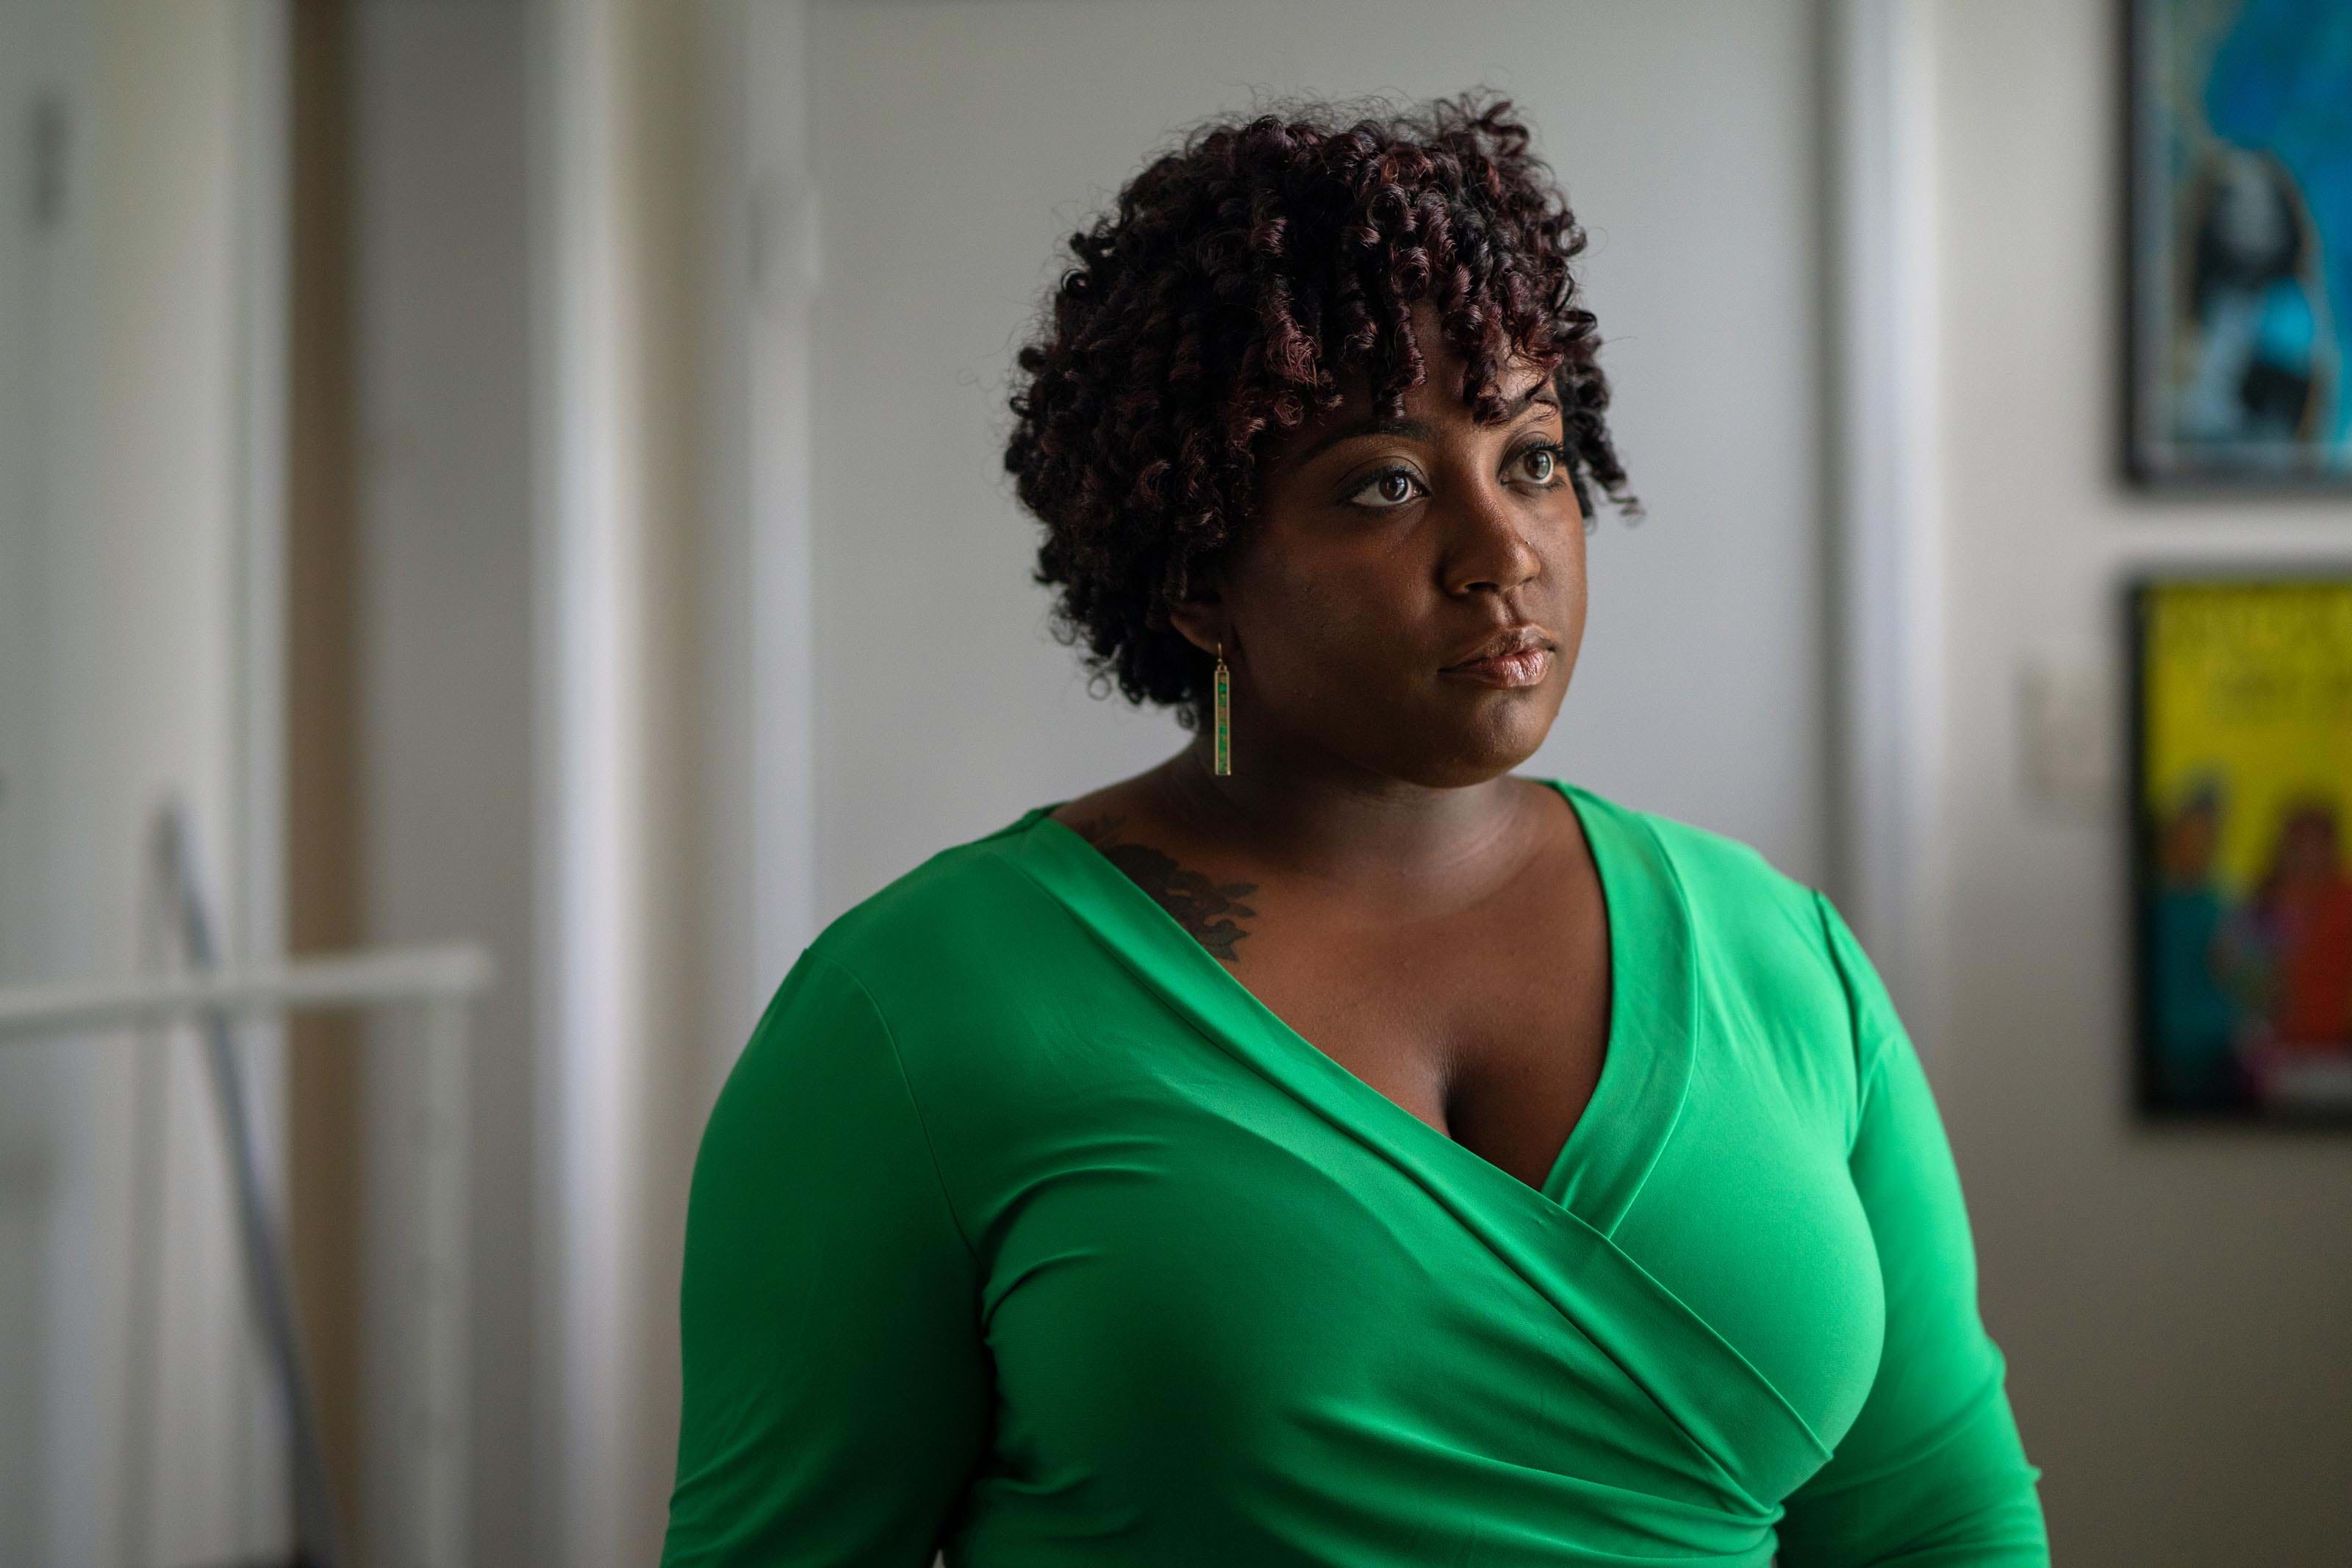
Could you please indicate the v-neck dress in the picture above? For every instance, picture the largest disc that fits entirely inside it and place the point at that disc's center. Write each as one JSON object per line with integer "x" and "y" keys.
{"x": 1024, "y": 1232}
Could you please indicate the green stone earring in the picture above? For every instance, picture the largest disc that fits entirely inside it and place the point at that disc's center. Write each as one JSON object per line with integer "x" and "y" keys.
{"x": 1225, "y": 715}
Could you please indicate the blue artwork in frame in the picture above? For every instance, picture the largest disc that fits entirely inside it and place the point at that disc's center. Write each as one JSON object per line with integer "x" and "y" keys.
{"x": 2240, "y": 225}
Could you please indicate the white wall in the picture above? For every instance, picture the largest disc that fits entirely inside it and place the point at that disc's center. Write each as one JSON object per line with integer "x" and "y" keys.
{"x": 2173, "y": 1302}
{"x": 441, "y": 341}
{"x": 957, "y": 143}
{"x": 124, "y": 499}
{"x": 38, "y": 68}
{"x": 643, "y": 635}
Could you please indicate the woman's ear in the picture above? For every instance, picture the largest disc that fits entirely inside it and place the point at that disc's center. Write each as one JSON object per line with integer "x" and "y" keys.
{"x": 1200, "y": 620}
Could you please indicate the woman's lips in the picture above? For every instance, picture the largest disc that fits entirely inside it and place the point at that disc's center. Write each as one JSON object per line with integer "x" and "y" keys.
{"x": 1525, "y": 668}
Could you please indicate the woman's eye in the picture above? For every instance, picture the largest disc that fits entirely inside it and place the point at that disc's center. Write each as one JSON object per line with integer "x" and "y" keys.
{"x": 1549, "y": 457}
{"x": 1393, "y": 487}
{"x": 1390, "y": 487}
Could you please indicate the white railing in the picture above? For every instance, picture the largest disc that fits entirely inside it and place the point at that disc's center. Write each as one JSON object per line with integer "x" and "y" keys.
{"x": 421, "y": 1519}
{"x": 345, "y": 981}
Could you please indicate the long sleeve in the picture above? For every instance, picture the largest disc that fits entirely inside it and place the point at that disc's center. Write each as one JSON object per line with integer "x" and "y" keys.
{"x": 835, "y": 1388}
{"x": 1933, "y": 1473}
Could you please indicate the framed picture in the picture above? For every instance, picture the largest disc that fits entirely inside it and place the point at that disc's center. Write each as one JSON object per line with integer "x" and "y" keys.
{"x": 2240, "y": 282}
{"x": 2241, "y": 865}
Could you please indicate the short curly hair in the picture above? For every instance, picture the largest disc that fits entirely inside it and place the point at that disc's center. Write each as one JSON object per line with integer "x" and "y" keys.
{"x": 1240, "y": 281}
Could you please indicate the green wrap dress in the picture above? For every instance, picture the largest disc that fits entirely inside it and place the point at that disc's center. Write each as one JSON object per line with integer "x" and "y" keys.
{"x": 1024, "y": 1232}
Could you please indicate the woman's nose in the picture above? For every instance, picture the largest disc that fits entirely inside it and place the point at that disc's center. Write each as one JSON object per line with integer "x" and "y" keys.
{"x": 1489, "y": 546}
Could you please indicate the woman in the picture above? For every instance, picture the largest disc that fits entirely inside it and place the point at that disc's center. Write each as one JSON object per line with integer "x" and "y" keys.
{"x": 1329, "y": 1146}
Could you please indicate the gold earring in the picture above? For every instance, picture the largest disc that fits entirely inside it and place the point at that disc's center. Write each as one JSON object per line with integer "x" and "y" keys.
{"x": 1225, "y": 715}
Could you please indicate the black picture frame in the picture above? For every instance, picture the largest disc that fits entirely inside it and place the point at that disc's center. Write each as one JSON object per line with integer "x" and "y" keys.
{"x": 2201, "y": 406}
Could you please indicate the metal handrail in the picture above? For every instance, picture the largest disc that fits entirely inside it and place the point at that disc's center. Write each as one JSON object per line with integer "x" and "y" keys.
{"x": 369, "y": 978}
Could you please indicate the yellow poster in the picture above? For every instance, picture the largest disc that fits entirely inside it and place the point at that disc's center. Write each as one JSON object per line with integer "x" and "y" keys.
{"x": 2245, "y": 790}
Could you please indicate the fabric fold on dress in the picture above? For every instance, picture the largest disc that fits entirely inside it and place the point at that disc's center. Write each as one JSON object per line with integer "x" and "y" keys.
{"x": 1737, "y": 1424}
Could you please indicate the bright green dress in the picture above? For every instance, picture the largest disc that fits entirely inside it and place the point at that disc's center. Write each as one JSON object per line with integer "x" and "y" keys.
{"x": 1025, "y": 1232}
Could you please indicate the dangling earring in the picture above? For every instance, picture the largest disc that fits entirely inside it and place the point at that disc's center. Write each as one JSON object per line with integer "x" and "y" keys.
{"x": 1225, "y": 715}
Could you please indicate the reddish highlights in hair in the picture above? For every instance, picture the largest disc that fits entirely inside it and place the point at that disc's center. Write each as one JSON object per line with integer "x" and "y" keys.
{"x": 1241, "y": 283}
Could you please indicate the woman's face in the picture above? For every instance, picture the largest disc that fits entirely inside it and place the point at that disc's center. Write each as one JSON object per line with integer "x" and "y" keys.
{"x": 1385, "y": 554}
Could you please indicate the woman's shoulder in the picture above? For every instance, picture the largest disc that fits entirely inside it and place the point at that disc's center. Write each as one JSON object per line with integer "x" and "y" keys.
{"x": 976, "y": 973}
{"x": 1775, "y": 959}
{"x": 1711, "y": 868}
{"x": 1757, "y": 928}
{"x": 967, "y": 905}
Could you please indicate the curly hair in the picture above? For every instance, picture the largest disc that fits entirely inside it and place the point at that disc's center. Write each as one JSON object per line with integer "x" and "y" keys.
{"x": 1242, "y": 281}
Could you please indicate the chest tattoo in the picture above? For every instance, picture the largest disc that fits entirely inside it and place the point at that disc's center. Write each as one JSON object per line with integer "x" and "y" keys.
{"x": 1211, "y": 911}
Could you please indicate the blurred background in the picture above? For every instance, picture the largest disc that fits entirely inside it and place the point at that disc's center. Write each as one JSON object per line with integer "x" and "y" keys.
{"x": 518, "y": 485}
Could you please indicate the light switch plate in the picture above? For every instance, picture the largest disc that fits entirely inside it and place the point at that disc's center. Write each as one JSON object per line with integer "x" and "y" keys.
{"x": 2068, "y": 724}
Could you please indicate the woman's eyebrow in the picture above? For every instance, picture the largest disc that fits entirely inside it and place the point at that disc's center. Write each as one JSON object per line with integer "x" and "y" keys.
{"x": 1519, "y": 405}
{"x": 1417, "y": 429}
